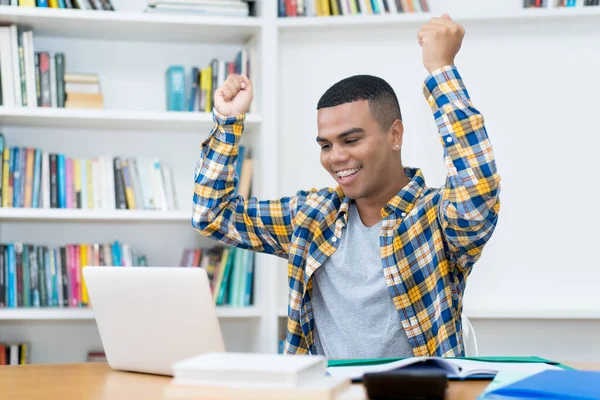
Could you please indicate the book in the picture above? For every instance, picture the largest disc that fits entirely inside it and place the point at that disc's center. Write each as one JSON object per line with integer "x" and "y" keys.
{"x": 455, "y": 368}
{"x": 549, "y": 385}
{"x": 249, "y": 370}
{"x": 326, "y": 388}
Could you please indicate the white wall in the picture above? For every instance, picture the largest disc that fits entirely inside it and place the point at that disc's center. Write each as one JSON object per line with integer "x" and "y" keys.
{"x": 537, "y": 88}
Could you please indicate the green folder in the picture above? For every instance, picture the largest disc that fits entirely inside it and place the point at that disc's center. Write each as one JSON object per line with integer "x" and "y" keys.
{"x": 504, "y": 359}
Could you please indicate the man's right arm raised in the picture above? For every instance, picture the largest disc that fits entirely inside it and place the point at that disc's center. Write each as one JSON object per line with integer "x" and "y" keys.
{"x": 263, "y": 226}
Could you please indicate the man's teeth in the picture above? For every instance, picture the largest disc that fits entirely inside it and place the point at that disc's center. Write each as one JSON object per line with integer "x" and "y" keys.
{"x": 347, "y": 172}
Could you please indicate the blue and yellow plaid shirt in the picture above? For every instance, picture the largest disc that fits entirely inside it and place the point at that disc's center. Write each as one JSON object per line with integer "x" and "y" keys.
{"x": 430, "y": 237}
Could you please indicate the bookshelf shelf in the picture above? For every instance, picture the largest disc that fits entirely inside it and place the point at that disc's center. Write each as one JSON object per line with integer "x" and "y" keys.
{"x": 82, "y": 215}
{"x": 532, "y": 313}
{"x": 56, "y": 314}
{"x": 112, "y": 119}
{"x": 136, "y": 26}
{"x": 541, "y": 14}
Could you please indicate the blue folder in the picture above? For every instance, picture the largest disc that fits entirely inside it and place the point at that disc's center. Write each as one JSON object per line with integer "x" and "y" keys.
{"x": 551, "y": 384}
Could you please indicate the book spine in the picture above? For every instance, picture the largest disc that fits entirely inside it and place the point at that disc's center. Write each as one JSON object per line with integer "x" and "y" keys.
{"x": 6, "y": 192}
{"x": 12, "y": 276}
{"x": 53, "y": 181}
{"x": 26, "y": 277}
{"x": 35, "y": 278}
{"x": 37, "y": 174}
{"x": 45, "y": 180}
{"x": 19, "y": 265}
{"x": 60, "y": 79}
{"x": 69, "y": 182}
{"x": 38, "y": 79}
{"x": 45, "y": 79}
{"x": 3, "y": 276}
{"x": 16, "y": 176}
{"x": 29, "y": 172}
{"x": 42, "y": 275}
{"x": 65, "y": 276}
{"x": 62, "y": 181}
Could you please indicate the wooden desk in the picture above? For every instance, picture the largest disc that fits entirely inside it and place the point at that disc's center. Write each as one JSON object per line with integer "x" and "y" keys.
{"x": 94, "y": 381}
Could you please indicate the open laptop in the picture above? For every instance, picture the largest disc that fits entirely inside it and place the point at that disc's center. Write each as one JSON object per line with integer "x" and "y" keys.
{"x": 151, "y": 317}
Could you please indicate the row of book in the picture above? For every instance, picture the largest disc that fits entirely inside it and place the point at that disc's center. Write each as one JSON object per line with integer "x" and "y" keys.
{"x": 193, "y": 90}
{"x": 104, "y": 5}
{"x": 51, "y": 276}
{"x": 324, "y": 8}
{"x": 31, "y": 78}
{"x": 34, "y": 178}
{"x": 227, "y": 8}
{"x": 230, "y": 271}
{"x": 14, "y": 353}
{"x": 558, "y": 3}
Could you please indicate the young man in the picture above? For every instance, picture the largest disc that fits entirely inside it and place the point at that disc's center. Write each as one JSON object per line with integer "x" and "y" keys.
{"x": 377, "y": 265}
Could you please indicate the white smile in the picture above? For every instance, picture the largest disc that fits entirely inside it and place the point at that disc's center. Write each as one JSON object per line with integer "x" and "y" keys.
{"x": 347, "y": 172}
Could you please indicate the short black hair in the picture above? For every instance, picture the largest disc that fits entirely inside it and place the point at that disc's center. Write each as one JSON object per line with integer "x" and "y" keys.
{"x": 382, "y": 99}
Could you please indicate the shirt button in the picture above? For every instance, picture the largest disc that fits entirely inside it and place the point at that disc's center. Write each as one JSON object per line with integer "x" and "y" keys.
{"x": 449, "y": 139}
{"x": 403, "y": 214}
{"x": 334, "y": 239}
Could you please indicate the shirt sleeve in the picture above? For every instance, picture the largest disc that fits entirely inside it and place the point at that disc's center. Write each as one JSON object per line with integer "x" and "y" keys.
{"x": 470, "y": 201}
{"x": 263, "y": 226}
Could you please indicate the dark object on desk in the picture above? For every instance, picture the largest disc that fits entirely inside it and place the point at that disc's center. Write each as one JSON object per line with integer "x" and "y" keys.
{"x": 417, "y": 382}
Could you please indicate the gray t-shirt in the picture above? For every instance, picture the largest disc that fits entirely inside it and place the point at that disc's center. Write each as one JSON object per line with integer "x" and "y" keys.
{"x": 353, "y": 310}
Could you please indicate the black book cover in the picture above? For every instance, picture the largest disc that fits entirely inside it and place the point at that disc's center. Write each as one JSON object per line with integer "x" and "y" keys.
{"x": 41, "y": 251}
{"x": 120, "y": 199}
{"x": 65, "y": 276}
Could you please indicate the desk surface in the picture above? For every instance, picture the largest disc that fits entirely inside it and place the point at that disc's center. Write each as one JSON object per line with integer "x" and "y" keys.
{"x": 92, "y": 381}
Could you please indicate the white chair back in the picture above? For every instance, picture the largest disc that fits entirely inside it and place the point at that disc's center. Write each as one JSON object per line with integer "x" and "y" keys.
{"x": 469, "y": 339}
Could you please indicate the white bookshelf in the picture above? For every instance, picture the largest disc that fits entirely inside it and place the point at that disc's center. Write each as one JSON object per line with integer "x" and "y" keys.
{"x": 112, "y": 119}
{"x": 61, "y": 314}
{"x": 418, "y": 18}
{"x": 137, "y": 26}
{"x": 82, "y": 215}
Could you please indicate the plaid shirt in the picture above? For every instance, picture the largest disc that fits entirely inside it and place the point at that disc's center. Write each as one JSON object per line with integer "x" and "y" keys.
{"x": 430, "y": 237}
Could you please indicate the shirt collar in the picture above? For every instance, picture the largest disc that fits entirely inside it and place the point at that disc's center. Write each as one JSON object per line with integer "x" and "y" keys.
{"x": 400, "y": 204}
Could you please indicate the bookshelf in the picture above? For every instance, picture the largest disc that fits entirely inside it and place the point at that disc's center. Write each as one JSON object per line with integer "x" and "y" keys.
{"x": 140, "y": 48}
{"x": 57, "y": 314}
{"x": 417, "y": 19}
{"x": 132, "y": 25}
{"x": 112, "y": 119}
{"x": 82, "y": 215}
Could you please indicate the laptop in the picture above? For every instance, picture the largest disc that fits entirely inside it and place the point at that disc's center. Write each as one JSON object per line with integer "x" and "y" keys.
{"x": 152, "y": 317}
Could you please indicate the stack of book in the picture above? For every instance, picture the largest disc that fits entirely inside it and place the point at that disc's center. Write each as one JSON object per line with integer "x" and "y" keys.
{"x": 230, "y": 272}
{"x": 193, "y": 90}
{"x": 14, "y": 353}
{"x": 227, "y": 8}
{"x": 32, "y": 78}
{"x": 558, "y": 3}
{"x": 46, "y": 276}
{"x": 71, "y": 4}
{"x": 325, "y": 8}
{"x": 248, "y": 376}
{"x": 83, "y": 91}
{"x": 34, "y": 178}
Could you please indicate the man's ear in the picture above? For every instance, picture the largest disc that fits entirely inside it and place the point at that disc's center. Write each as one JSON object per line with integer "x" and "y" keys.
{"x": 397, "y": 130}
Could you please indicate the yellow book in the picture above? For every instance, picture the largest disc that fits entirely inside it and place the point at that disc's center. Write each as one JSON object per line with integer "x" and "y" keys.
{"x": 29, "y": 3}
{"x": 209, "y": 94}
{"x": 6, "y": 192}
{"x": 52, "y": 3}
{"x": 84, "y": 262}
{"x": 77, "y": 182}
{"x": 90, "y": 184}
{"x": 325, "y": 8}
{"x": 29, "y": 158}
